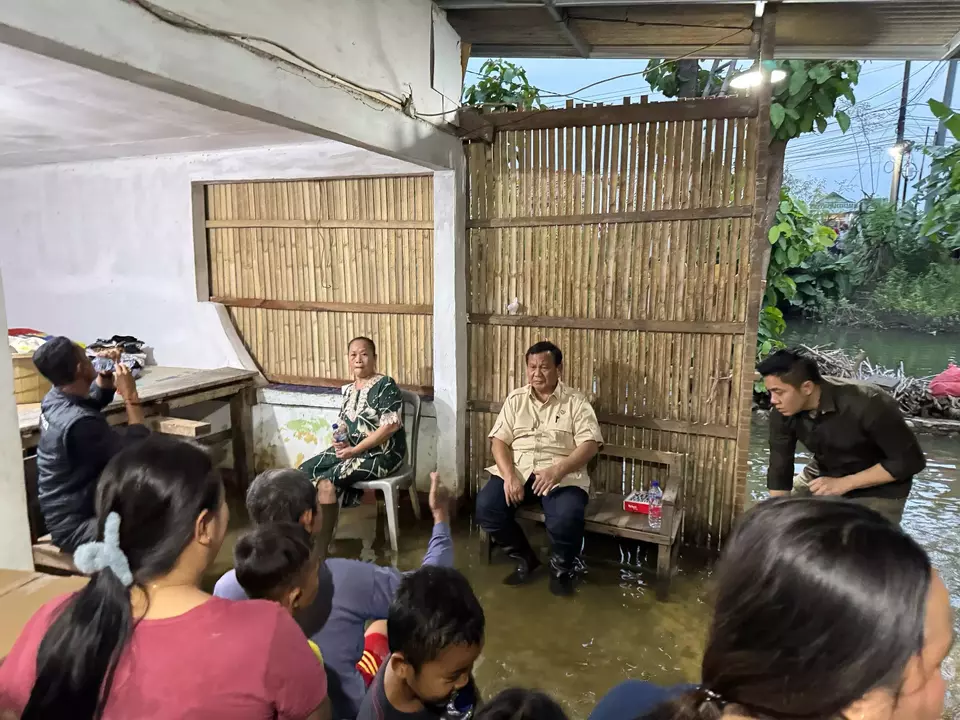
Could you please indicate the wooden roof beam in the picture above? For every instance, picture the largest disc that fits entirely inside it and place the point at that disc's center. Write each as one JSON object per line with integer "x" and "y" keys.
{"x": 573, "y": 35}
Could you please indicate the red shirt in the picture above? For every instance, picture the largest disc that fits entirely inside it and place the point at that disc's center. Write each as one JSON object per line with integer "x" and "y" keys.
{"x": 240, "y": 660}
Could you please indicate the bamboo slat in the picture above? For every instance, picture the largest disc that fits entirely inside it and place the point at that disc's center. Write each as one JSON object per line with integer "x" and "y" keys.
{"x": 624, "y": 234}
{"x": 306, "y": 265}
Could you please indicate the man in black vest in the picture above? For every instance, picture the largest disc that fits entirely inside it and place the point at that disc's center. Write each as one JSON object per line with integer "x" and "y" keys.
{"x": 76, "y": 442}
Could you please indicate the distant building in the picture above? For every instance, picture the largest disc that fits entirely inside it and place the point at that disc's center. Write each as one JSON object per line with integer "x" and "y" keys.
{"x": 835, "y": 204}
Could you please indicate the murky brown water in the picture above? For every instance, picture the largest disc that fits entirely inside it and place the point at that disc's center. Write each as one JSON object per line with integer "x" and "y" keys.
{"x": 614, "y": 628}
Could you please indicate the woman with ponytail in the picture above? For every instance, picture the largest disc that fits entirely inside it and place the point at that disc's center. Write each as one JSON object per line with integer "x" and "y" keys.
{"x": 824, "y": 611}
{"x": 141, "y": 639}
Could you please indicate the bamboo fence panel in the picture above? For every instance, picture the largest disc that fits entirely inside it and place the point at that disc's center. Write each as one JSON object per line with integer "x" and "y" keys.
{"x": 304, "y": 266}
{"x": 627, "y": 243}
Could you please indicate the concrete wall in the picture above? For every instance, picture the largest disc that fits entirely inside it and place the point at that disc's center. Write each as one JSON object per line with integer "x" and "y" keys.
{"x": 93, "y": 249}
{"x": 383, "y": 45}
{"x": 15, "y": 553}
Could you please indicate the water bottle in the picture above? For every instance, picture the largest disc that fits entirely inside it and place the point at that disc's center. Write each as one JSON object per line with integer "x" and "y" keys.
{"x": 656, "y": 505}
{"x": 339, "y": 434}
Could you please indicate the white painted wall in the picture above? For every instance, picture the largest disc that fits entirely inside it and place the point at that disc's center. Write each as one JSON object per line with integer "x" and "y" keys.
{"x": 15, "y": 553}
{"x": 383, "y": 45}
{"x": 94, "y": 249}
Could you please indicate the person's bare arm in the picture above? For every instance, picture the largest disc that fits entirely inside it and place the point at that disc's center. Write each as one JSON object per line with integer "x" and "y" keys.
{"x": 512, "y": 484}
{"x": 127, "y": 387}
{"x": 375, "y": 439}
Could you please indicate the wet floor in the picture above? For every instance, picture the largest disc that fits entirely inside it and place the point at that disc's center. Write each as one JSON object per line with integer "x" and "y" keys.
{"x": 577, "y": 649}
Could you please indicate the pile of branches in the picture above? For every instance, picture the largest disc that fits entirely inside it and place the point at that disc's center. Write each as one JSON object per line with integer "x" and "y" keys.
{"x": 912, "y": 393}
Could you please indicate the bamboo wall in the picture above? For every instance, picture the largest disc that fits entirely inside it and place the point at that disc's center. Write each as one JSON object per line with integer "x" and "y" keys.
{"x": 305, "y": 266}
{"x": 625, "y": 235}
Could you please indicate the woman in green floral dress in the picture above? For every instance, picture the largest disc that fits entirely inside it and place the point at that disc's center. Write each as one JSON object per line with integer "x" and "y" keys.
{"x": 372, "y": 413}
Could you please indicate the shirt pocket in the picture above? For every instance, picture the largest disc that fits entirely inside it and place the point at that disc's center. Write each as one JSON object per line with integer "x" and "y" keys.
{"x": 560, "y": 429}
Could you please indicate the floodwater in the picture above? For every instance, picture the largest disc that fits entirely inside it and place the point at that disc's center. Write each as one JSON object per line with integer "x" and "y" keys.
{"x": 614, "y": 628}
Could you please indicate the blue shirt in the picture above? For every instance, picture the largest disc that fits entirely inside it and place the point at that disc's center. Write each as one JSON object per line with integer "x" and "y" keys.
{"x": 361, "y": 592}
{"x": 632, "y": 699}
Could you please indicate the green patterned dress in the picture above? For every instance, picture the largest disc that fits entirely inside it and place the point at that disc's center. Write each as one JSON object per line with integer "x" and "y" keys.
{"x": 366, "y": 408}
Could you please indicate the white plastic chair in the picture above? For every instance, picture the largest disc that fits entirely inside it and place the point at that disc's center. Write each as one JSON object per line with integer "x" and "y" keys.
{"x": 405, "y": 476}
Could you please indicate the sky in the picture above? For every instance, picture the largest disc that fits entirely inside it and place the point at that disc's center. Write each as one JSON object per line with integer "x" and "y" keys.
{"x": 854, "y": 164}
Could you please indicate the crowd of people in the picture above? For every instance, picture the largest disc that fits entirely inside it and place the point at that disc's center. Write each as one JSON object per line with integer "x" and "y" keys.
{"x": 824, "y": 608}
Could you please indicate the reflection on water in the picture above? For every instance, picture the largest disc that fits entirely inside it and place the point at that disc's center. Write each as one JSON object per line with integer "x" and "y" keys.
{"x": 920, "y": 352}
{"x": 577, "y": 649}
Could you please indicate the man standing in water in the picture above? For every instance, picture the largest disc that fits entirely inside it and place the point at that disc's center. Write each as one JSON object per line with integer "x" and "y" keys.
{"x": 542, "y": 441}
{"x": 863, "y": 450}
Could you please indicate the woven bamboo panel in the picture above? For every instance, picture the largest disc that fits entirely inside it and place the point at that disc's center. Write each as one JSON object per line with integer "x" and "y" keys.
{"x": 629, "y": 246}
{"x": 304, "y": 266}
{"x": 29, "y": 386}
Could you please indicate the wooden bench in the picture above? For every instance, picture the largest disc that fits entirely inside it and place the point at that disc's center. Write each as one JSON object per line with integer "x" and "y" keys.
{"x": 605, "y": 514}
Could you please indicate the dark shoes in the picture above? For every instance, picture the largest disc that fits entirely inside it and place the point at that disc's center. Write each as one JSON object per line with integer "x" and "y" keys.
{"x": 561, "y": 577}
{"x": 527, "y": 565}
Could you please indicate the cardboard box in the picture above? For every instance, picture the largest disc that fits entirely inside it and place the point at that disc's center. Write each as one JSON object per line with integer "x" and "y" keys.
{"x": 637, "y": 502}
{"x": 22, "y": 593}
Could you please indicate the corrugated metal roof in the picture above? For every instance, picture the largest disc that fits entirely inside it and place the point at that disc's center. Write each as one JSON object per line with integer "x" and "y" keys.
{"x": 859, "y": 29}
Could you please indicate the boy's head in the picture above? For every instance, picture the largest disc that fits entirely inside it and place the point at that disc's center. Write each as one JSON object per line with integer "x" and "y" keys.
{"x": 276, "y": 562}
{"x": 435, "y": 629}
{"x": 793, "y": 380}
{"x": 62, "y": 361}
{"x": 283, "y": 496}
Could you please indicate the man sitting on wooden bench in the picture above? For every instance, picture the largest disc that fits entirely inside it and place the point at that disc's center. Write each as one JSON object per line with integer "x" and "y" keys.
{"x": 542, "y": 441}
{"x": 76, "y": 442}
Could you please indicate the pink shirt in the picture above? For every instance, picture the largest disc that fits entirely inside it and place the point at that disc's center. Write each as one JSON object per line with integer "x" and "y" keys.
{"x": 239, "y": 660}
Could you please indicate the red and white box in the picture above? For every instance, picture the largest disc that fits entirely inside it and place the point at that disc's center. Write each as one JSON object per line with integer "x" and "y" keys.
{"x": 637, "y": 502}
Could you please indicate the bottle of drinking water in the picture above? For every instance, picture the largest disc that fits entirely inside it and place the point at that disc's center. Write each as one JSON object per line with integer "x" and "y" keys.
{"x": 339, "y": 434}
{"x": 656, "y": 505}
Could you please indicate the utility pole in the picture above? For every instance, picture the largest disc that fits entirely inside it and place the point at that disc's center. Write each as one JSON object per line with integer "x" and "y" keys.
{"x": 940, "y": 138}
{"x": 901, "y": 125}
{"x": 941, "y": 135}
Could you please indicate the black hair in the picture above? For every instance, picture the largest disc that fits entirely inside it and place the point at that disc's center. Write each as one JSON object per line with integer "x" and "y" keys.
{"x": 270, "y": 559}
{"x": 545, "y": 346}
{"x": 370, "y": 343}
{"x": 434, "y": 608}
{"x": 818, "y": 602}
{"x": 158, "y": 487}
{"x": 57, "y": 360}
{"x": 282, "y": 495}
{"x": 794, "y": 367}
{"x": 521, "y": 704}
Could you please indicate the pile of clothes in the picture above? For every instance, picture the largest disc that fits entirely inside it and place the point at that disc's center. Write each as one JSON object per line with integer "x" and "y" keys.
{"x": 131, "y": 353}
{"x": 25, "y": 341}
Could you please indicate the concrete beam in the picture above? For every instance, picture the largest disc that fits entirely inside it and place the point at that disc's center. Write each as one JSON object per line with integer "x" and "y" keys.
{"x": 122, "y": 40}
{"x": 15, "y": 551}
{"x": 450, "y": 322}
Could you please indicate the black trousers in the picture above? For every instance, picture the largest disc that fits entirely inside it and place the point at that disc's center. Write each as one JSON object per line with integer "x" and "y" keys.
{"x": 563, "y": 510}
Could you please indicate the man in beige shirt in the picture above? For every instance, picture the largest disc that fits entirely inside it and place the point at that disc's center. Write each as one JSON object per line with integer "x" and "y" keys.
{"x": 542, "y": 441}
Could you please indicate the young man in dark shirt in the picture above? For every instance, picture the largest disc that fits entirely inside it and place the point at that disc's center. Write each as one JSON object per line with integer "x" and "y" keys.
{"x": 863, "y": 449}
{"x": 435, "y": 629}
{"x": 76, "y": 441}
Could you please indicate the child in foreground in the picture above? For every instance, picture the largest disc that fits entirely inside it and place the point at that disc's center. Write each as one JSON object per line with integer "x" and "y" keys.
{"x": 435, "y": 628}
{"x": 521, "y": 704}
{"x": 277, "y": 562}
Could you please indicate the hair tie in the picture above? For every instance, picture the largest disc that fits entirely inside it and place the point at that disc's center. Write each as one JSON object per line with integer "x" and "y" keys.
{"x": 93, "y": 557}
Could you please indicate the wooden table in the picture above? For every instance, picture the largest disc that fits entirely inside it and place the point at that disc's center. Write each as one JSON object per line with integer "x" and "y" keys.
{"x": 21, "y": 595}
{"x": 163, "y": 389}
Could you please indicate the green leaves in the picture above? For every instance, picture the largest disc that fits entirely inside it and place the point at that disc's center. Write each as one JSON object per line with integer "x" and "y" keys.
{"x": 810, "y": 96}
{"x": 951, "y": 120}
{"x": 843, "y": 120}
{"x": 502, "y": 86}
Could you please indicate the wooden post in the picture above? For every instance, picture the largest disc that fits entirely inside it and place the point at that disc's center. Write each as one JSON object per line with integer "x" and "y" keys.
{"x": 759, "y": 248}
{"x": 241, "y": 423}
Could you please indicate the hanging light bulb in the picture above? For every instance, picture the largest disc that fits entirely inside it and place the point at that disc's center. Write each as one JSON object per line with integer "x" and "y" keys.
{"x": 753, "y": 77}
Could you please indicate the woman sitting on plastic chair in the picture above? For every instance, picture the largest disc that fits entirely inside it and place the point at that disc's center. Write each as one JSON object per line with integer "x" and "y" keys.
{"x": 372, "y": 415}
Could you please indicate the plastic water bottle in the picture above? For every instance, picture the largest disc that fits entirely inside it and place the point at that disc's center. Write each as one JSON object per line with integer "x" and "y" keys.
{"x": 656, "y": 505}
{"x": 339, "y": 434}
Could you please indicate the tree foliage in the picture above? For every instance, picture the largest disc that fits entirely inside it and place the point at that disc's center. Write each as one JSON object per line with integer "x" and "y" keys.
{"x": 812, "y": 93}
{"x": 941, "y": 223}
{"x": 503, "y": 86}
